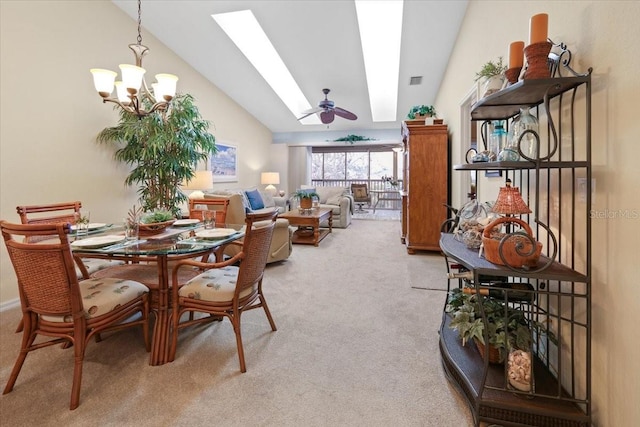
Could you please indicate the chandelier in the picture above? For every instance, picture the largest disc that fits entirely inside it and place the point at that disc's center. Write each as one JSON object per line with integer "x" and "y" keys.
{"x": 132, "y": 92}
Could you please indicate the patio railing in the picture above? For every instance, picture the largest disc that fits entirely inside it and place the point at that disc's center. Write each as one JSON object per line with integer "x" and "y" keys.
{"x": 372, "y": 184}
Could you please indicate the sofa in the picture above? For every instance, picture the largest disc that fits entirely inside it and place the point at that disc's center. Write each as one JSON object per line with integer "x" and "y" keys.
{"x": 239, "y": 204}
{"x": 338, "y": 199}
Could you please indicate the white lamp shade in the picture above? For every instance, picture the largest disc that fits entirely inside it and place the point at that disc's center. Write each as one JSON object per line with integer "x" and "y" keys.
{"x": 132, "y": 76}
{"x": 103, "y": 80}
{"x": 203, "y": 180}
{"x": 123, "y": 95}
{"x": 270, "y": 178}
{"x": 165, "y": 88}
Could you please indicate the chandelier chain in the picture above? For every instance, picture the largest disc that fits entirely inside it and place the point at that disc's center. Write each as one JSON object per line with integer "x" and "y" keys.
{"x": 139, "y": 21}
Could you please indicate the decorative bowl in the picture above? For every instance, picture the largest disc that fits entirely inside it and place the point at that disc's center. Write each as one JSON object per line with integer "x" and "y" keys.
{"x": 154, "y": 227}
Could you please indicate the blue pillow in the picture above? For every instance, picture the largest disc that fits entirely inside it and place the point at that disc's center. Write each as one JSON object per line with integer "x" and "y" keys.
{"x": 255, "y": 199}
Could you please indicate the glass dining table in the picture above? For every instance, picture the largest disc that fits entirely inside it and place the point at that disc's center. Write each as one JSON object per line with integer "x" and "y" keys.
{"x": 147, "y": 259}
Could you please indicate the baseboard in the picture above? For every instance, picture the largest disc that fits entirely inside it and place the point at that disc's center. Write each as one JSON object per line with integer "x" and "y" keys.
{"x": 8, "y": 305}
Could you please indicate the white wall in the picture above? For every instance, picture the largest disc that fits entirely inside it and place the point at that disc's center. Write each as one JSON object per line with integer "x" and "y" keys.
{"x": 603, "y": 35}
{"x": 51, "y": 114}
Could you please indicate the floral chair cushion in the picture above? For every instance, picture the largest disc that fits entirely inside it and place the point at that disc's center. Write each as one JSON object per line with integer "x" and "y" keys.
{"x": 92, "y": 265}
{"x": 100, "y": 296}
{"x": 217, "y": 284}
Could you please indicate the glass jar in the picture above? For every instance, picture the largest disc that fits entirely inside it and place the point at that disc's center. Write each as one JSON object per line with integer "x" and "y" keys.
{"x": 528, "y": 141}
{"x": 497, "y": 140}
{"x": 471, "y": 218}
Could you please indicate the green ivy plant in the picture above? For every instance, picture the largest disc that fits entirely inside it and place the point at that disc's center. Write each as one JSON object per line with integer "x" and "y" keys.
{"x": 163, "y": 150}
{"x": 422, "y": 110}
{"x": 507, "y": 327}
{"x": 353, "y": 138}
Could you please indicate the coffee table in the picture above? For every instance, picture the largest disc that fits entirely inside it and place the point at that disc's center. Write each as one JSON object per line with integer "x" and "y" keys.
{"x": 308, "y": 223}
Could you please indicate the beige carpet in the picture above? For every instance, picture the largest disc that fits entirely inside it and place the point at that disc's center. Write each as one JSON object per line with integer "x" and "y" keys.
{"x": 357, "y": 345}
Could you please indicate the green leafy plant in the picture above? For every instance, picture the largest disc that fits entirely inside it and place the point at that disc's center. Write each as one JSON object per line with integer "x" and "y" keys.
{"x": 304, "y": 194}
{"x": 353, "y": 138}
{"x": 157, "y": 216}
{"x": 490, "y": 69}
{"x": 422, "y": 110}
{"x": 163, "y": 149}
{"x": 507, "y": 326}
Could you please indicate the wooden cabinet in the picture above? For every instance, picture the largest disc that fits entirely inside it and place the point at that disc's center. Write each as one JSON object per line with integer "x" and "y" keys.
{"x": 426, "y": 180}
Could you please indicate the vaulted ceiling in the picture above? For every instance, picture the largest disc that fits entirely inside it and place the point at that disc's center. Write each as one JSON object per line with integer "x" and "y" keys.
{"x": 319, "y": 42}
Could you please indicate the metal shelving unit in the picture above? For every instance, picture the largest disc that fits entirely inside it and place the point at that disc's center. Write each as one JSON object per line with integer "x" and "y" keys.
{"x": 560, "y": 285}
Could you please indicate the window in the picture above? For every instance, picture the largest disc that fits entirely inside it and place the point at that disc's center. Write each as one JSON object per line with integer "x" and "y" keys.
{"x": 344, "y": 165}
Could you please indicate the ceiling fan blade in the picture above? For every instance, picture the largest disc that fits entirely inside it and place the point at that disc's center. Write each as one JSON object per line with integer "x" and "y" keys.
{"x": 340, "y": 112}
{"x": 306, "y": 115}
{"x": 312, "y": 110}
{"x": 326, "y": 116}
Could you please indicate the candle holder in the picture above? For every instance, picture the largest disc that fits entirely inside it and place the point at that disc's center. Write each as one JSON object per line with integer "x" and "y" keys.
{"x": 537, "y": 55}
{"x": 512, "y": 74}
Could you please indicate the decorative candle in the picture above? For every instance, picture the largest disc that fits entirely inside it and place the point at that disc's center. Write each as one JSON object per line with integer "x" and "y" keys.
{"x": 516, "y": 54}
{"x": 538, "y": 26}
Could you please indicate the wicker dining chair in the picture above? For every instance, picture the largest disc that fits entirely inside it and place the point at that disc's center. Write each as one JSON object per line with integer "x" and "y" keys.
{"x": 57, "y": 308}
{"x": 226, "y": 289}
{"x": 61, "y": 213}
{"x": 219, "y": 206}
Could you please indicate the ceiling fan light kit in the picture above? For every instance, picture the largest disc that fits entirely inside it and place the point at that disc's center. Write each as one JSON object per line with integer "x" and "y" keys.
{"x": 327, "y": 110}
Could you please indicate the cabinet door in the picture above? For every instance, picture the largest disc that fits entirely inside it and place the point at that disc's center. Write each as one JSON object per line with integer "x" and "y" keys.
{"x": 427, "y": 190}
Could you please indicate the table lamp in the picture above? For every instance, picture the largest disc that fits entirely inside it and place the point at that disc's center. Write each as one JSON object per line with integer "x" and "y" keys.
{"x": 203, "y": 180}
{"x": 510, "y": 201}
{"x": 270, "y": 178}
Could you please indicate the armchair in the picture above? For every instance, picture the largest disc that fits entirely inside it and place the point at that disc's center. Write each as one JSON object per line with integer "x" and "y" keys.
{"x": 360, "y": 196}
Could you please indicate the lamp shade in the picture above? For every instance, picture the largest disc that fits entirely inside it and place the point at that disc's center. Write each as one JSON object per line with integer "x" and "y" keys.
{"x": 103, "y": 80}
{"x": 203, "y": 180}
{"x": 270, "y": 178}
{"x": 510, "y": 201}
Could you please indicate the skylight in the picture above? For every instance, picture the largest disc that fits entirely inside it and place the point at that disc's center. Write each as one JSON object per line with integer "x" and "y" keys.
{"x": 243, "y": 29}
{"x": 380, "y": 24}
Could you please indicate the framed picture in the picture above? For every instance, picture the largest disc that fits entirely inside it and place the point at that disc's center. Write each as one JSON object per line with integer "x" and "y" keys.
{"x": 489, "y": 174}
{"x": 224, "y": 163}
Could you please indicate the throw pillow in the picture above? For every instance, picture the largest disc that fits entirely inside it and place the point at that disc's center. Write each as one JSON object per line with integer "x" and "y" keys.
{"x": 267, "y": 200}
{"x": 334, "y": 200}
{"x": 255, "y": 199}
{"x": 326, "y": 193}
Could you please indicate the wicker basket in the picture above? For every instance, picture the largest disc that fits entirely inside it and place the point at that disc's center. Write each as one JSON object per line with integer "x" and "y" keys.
{"x": 517, "y": 250}
{"x": 306, "y": 202}
{"x": 494, "y": 353}
{"x": 154, "y": 228}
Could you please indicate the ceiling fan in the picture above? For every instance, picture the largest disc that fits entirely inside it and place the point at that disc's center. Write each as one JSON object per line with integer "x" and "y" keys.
{"x": 328, "y": 110}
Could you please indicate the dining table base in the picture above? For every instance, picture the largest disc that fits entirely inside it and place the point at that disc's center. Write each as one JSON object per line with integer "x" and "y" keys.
{"x": 151, "y": 274}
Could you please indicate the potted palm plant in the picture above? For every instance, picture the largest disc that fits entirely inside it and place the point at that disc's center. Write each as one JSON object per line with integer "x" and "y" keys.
{"x": 306, "y": 197}
{"x": 163, "y": 150}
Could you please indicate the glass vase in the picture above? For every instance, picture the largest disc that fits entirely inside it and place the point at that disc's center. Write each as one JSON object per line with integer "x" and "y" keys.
{"x": 497, "y": 140}
{"x": 527, "y": 141}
